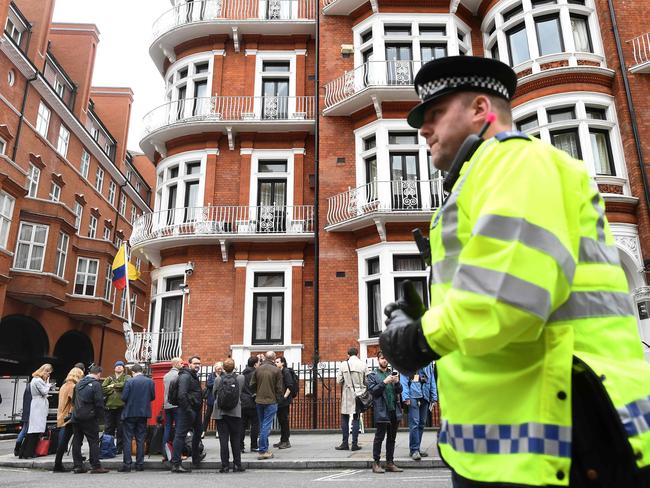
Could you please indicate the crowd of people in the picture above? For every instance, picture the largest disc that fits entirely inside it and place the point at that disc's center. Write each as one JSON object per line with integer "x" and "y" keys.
{"x": 249, "y": 401}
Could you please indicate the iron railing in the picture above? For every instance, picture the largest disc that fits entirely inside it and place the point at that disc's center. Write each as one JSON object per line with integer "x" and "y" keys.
{"x": 224, "y": 220}
{"x": 385, "y": 196}
{"x": 230, "y": 108}
{"x": 224, "y": 10}
{"x": 371, "y": 73}
{"x": 326, "y": 396}
{"x": 153, "y": 347}
{"x": 641, "y": 48}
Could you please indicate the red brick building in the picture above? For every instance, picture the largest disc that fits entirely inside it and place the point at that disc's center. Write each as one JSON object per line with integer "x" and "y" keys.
{"x": 236, "y": 227}
{"x": 69, "y": 192}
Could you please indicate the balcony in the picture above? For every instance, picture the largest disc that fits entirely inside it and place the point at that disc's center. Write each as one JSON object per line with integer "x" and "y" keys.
{"x": 228, "y": 114}
{"x": 641, "y": 52}
{"x": 379, "y": 202}
{"x": 236, "y": 18}
{"x": 345, "y": 7}
{"x": 220, "y": 225}
{"x": 371, "y": 83}
{"x": 153, "y": 347}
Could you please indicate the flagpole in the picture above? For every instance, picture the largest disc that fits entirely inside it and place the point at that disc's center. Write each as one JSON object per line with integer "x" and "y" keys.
{"x": 128, "y": 294}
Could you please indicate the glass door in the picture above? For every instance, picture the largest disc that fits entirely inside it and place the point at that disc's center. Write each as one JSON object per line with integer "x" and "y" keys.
{"x": 272, "y": 201}
{"x": 404, "y": 175}
{"x": 399, "y": 64}
{"x": 275, "y": 102}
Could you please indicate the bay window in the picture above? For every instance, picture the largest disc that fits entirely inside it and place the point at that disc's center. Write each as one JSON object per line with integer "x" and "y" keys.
{"x": 86, "y": 277}
{"x": 30, "y": 249}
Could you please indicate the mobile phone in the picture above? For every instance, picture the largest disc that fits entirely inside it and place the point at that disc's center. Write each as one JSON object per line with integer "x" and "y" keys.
{"x": 394, "y": 373}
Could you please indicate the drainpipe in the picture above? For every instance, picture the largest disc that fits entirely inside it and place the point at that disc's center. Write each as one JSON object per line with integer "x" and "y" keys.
{"x": 22, "y": 117}
{"x": 316, "y": 356}
{"x": 630, "y": 105}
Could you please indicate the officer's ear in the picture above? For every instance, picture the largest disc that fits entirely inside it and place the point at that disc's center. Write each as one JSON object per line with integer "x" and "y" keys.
{"x": 481, "y": 106}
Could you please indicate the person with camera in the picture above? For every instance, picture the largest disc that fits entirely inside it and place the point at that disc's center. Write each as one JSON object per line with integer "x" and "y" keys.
{"x": 419, "y": 394}
{"x": 352, "y": 375}
{"x": 385, "y": 387}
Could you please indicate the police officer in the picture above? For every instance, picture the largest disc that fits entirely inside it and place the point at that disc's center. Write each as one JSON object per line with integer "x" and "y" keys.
{"x": 542, "y": 380}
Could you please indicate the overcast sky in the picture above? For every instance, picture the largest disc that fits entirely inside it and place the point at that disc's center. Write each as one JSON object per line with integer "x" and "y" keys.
{"x": 123, "y": 51}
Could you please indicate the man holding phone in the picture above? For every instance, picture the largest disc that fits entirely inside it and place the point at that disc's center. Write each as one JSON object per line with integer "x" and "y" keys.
{"x": 385, "y": 387}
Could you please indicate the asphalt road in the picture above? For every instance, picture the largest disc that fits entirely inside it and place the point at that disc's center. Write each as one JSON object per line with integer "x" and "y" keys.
{"x": 18, "y": 478}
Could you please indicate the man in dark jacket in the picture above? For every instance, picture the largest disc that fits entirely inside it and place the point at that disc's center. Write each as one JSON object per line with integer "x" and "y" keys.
{"x": 267, "y": 384}
{"x": 137, "y": 396}
{"x": 112, "y": 388}
{"x": 284, "y": 403}
{"x": 190, "y": 397}
{"x": 87, "y": 413}
{"x": 385, "y": 387}
{"x": 248, "y": 410}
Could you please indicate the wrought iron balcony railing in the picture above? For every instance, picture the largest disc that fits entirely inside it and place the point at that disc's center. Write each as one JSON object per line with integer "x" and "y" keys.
{"x": 405, "y": 196}
{"x": 189, "y": 12}
{"x": 224, "y": 221}
{"x": 152, "y": 347}
{"x": 370, "y": 74}
{"x": 230, "y": 109}
{"x": 641, "y": 52}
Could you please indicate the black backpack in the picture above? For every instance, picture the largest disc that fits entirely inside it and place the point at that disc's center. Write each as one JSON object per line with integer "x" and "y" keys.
{"x": 172, "y": 394}
{"x": 228, "y": 392}
{"x": 296, "y": 383}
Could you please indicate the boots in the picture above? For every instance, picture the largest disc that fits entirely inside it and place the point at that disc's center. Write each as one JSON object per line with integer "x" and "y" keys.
{"x": 17, "y": 449}
{"x": 355, "y": 447}
{"x": 391, "y": 468}
{"x": 376, "y": 468}
{"x": 343, "y": 447}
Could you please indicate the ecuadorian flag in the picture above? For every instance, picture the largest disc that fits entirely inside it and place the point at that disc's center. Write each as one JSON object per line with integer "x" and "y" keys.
{"x": 120, "y": 266}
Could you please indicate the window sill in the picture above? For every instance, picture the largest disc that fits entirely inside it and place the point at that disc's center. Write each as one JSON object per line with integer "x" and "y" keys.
{"x": 6, "y": 251}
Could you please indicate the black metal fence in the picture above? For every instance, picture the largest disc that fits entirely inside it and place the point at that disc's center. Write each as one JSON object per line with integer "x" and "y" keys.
{"x": 318, "y": 403}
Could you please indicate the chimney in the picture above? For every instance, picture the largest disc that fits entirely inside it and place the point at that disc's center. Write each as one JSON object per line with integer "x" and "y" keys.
{"x": 39, "y": 14}
{"x": 113, "y": 107}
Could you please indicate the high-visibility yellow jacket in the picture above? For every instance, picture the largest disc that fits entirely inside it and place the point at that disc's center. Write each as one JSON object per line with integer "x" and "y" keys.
{"x": 525, "y": 276}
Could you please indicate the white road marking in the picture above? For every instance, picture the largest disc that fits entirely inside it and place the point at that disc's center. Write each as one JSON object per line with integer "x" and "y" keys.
{"x": 335, "y": 476}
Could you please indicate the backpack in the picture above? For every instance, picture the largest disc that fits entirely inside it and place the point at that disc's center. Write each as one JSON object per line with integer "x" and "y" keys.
{"x": 107, "y": 448}
{"x": 187, "y": 446}
{"x": 83, "y": 399}
{"x": 172, "y": 394}
{"x": 296, "y": 383}
{"x": 228, "y": 392}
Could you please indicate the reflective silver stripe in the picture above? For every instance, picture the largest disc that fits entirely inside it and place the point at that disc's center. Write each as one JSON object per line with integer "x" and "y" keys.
{"x": 600, "y": 223}
{"x": 636, "y": 416}
{"x": 585, "y": 304}
{"x": 532, "y": 235}
{"x": 597, "y": 252}
{"x": 505, "y": 288}
{"x": 443, "y": 271}
{"x": 449, "y": 232}
{"x": 528, "y": 438}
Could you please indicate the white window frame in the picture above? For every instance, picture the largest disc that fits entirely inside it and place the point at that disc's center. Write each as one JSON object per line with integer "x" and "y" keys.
{"x": 7, "y": 203}
{"x": 190, "y": 81}
{"x": 61, "y": 254}
{"x": 527, "y": 17}
{"x": 31, "y": 245}
{"x": 78, "y": 212}
{"x": 108, "y": 282}
{"x": 84, "y": 166}
{"x": 134, "y": 214}
{"x": 92, "y": 227}
{"x": 43, "y": 119}
{"x": 385, "y": 252}
{"x": 63, "y": 141}
{"x": 33, "y": 178}
{"x": 581, "y": 101}
{"x": 99, "y": 179}
{"x": 122, "y": 209}
{"x": 86, "y": 275}
{"x": 158, "y": 277}
{"x": 3, "y": 146}
{"x": 258, "y": 155}
{"x": 286, "y": 56}
{"x": 107, "y": 234}
{"x": 55, "y": 192}
{"x": 112, "y": 187}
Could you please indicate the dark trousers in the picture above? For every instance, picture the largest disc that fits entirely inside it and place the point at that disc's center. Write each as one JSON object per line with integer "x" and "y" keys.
{"x": 28, "y": 447}
{"x": 283, "y": 420}
{"x": 345, "y": 428}
{"x": 249, "y": 419}
{"x": 229, "y": 429}
{"x": 64, "y": 440}
{"x": 170, "y": 422}
{"x": 388, "y": 430}
{"x": 134, "y": 426}
{"x": 187, "y": 420}
{"x": 113, "y": 425}
{"x": 208, "y": 413}
{"x": 90, "y": 430}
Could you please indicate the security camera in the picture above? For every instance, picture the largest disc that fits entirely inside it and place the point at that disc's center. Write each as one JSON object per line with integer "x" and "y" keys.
{"x": 184, "y": 288}
{"x": 189, "y": 268}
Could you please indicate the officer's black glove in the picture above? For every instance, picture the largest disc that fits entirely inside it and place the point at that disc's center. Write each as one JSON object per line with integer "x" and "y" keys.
{"x": 403, "y": 342}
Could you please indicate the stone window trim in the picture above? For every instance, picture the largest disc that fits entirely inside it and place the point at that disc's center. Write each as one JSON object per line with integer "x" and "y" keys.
{"x": 58, "y": 179}
{"x": 260, "y": 155}
{"x": 5, "y": 133}
{"x": 36, "y": 160}
{"x": 581, "y": 102}
{"x": 385, "y": 251}
{"x": 494, "y": 30}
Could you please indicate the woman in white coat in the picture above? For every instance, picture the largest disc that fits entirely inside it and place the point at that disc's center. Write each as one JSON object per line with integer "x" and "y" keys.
{"x": 352, "y": 375}
{"x": 40, "y": 388}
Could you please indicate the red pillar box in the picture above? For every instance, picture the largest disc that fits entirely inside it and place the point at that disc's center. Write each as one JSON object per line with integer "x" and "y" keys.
{"x": 158, "y": 371}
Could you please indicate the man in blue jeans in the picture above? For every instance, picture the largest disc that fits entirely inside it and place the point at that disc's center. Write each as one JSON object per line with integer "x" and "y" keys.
{"x": 419, "y": 393}
{"x": 266, "y": 382}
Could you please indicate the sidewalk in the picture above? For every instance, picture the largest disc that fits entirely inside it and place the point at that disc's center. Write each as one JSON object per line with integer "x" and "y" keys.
{"x": 308, "y": 451}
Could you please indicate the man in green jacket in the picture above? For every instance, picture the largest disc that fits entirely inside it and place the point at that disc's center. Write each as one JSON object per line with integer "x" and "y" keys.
{"x": 112, "y": 388}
